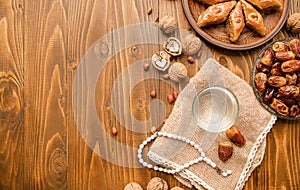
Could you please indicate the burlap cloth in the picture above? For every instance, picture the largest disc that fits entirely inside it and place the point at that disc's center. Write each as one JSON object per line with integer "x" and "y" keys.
{"x": 253, "y": 121}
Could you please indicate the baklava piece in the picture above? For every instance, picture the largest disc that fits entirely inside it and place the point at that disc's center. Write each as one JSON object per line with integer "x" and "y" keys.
{"x": 215, "y": 14}
{"x": 253, "y": 18}
{"x": 236, "y": 22}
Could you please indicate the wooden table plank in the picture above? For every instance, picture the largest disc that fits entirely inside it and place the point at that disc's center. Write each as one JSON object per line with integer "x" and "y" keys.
{"x": 11, "y": 94}
{"x": 45, "y": 93}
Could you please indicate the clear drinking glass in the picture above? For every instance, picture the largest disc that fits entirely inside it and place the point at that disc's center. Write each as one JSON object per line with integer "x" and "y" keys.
{"x": 215, "y": 109}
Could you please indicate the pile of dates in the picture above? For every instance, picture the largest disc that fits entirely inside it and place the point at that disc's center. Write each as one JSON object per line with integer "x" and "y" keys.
{"x": 277, "y": 77}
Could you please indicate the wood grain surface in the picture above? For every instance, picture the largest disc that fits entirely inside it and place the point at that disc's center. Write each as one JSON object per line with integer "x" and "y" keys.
{"x": 41, "y": 46}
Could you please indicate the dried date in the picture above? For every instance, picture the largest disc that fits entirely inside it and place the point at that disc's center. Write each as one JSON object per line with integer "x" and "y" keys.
{"x": 290, "y": 66}
{"x": 262, "y": 68}
{"x": 284, "y": 55}
{"x": 267, "y": 58}
{"x": 277, "y": 77}
{"x": 295, "y": 47}
{"x": 276, "y": 81}
{"x": 291, "y": 79}
{"x": 280, "y": 46}
{"x": 279, "y": 107}
{"x": 276, "y": 71}
{"x": 288, "y": 91}
{"x": 288, "y": 101}
{"x": 268, "y": 95}
{"x": 294, "y": 111}
{"x": 260, "y": 81}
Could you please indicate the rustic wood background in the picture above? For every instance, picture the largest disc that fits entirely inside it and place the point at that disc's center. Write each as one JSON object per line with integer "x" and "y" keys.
{"x": 41, "y": 45}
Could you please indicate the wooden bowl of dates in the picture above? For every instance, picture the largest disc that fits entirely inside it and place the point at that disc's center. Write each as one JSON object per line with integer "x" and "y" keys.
{"x": 233, "y": 29}
{"x": 276, "y": 78}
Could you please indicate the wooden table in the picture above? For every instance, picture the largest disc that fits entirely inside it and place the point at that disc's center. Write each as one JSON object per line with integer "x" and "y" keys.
{"x": 41, "y": 47}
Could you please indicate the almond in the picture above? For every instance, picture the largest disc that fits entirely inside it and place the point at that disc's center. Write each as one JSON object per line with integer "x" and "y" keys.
{"x": 165, "y": 76}
{"x": 153, "y": 130}
{"x": 146, "y": 66}
{"x": 235, "y": 136}
{"x": 190, "y": 59}
{"x": 149, "y": 10}
{"x": 153, "y": 94}
{"x": 225, "y": 150}
{"x": 170, "y": 98}
{"x": 175, "y": 95}
{"x": 114, "y": 131}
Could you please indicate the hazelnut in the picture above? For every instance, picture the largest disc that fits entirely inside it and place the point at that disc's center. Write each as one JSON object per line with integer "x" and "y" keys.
{"x": 157, "y": 183}
{"x": 191, "y": 44}
{"x": 168, "y": 24}
{"x": 235, "y": 136}
{"x": 133, "y": 186}
{"x": 293, "y": 23}
{"x": 177, "y": 72}
{"x": 225, "y": 150}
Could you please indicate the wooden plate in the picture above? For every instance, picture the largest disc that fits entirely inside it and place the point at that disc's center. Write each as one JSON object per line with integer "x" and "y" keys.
{"x": 218, "y": 35}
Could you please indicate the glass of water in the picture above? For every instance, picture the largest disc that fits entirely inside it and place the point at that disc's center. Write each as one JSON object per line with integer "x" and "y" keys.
{"x": 215, "y": 109}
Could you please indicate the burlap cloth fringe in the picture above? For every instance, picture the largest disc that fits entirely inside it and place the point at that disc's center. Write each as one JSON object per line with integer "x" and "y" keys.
{"x": 253, "y": 121}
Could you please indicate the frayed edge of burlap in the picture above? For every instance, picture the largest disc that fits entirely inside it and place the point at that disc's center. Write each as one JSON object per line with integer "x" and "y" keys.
{"x": 246, "y": 173}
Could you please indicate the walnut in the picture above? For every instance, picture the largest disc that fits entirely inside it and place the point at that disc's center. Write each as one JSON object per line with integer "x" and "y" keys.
{"x": 293, "y": 23}
{"x": 161, "y": 60}
{"x": 168, "y": 24}
{"x": 177, "y": 188}
{"x": 173, "y": 46}
{"x": 177, "y": 72}
{"x": 157, "y": 183}
{"x": 191, "y": 44}
{"x": 133, "y": 186}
